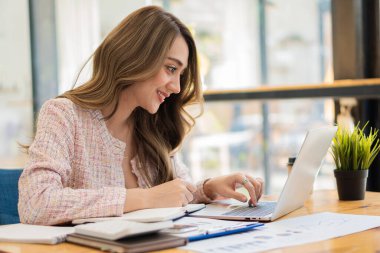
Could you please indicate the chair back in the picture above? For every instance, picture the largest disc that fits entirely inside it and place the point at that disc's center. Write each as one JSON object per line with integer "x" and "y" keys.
{"x": 9, "y": 196}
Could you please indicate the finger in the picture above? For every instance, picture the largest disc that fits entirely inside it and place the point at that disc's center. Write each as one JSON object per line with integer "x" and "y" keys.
{"x": 235, "y": 195}
{"x": 260, "y": 181}
{"x": 184, "y": 201}
{"x": 251, "y": 190}
{"x": 245, "y": 181}
{"x": 257, "y": 184}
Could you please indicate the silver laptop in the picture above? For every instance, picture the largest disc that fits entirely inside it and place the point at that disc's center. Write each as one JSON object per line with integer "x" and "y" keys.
{"x": 296, "y": 190}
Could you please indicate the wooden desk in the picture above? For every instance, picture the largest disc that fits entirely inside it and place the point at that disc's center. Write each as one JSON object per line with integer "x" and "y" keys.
{"x": 323, "y": 200}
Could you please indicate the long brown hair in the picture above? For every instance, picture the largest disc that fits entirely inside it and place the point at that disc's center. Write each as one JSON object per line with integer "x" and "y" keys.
{"x": 134, "y": 51}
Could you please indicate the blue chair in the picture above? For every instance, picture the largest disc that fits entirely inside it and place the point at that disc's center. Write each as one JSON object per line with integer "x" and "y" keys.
{"x": 9, "y": 196}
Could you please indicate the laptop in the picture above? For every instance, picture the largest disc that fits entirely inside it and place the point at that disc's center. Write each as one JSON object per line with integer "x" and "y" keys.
{"x": 295, "y": 192}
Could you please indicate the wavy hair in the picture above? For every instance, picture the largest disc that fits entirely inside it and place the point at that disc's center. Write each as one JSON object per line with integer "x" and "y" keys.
{"x": 135, "y": 51}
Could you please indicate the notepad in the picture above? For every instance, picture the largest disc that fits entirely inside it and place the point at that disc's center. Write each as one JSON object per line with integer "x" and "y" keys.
{"x": 25, "y": 233}
{"x": 149, "y": 215}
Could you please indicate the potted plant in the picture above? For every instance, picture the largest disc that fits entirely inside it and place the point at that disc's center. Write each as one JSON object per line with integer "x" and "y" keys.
{"x": 353, "y": 153}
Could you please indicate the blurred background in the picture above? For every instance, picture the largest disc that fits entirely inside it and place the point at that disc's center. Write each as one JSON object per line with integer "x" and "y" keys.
{"x": 242, "y": 44}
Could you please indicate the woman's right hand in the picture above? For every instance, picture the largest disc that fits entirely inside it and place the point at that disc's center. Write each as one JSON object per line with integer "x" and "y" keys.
{"x": 170, "y": 194}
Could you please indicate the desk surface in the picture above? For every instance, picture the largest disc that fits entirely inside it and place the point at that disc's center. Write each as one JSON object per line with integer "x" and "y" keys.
{"x": 323, "y": 200}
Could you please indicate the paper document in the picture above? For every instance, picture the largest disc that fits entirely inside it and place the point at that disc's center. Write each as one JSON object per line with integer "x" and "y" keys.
{"x": 25, "y": 233}
{"x": 204, "y": 228}
{"x": 289, "y": 232}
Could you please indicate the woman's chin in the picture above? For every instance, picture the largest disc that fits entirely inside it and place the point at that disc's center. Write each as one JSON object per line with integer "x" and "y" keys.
{"x": 152, "y": 110}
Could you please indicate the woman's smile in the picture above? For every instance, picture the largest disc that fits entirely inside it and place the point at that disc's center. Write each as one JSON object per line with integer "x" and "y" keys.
{"x": 162, "y": 96}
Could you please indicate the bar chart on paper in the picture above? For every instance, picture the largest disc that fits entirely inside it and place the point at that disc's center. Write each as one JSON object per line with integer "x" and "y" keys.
{"x": 289, "y": 232}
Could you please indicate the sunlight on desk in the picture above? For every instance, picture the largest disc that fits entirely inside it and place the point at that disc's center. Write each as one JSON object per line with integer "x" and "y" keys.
{"x": 321, "y": 200}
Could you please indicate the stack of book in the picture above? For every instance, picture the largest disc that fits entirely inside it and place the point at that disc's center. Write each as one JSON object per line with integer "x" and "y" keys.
{"x": 125, "y": 236}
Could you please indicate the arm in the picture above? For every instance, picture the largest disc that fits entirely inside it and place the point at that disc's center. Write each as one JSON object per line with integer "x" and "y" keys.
{"x": 174, "y": 193}
{"x": 43, "y": 197}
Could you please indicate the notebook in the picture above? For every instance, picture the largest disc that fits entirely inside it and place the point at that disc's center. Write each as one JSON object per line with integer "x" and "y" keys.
{"x": 149, "y": 215}
{"x": 117, "y": 229}
{"x": 144, "y": 243}
{"x": 296, "y": 190}
{"x": 25, "y": 233}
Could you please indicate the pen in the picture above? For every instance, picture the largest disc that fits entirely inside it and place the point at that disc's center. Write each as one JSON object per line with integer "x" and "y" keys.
{"x": 215, "y": 230}
{"x": 221, "y": 232}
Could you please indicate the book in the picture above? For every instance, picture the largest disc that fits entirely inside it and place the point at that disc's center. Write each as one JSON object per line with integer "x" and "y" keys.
{"x": 149, "y": 215}
{"x": 116, "y": 229}
{"x": 25, "y": 233}
{"x": 135, "y": 244}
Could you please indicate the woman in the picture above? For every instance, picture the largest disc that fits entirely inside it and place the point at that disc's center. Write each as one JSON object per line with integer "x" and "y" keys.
{"x": 108, "y": 146}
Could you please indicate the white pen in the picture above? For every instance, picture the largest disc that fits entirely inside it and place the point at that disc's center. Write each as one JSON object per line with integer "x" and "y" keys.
{"x": 228, "y": 228}
{"x": 215, "y": 230}
{"x": 223, "y": 229}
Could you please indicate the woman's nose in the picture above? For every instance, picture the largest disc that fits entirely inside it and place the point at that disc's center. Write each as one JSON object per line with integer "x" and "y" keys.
{"x": 175, "y": 85}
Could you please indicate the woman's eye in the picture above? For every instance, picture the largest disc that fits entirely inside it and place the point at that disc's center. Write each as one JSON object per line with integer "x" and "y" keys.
{"x": 172, "y": 69}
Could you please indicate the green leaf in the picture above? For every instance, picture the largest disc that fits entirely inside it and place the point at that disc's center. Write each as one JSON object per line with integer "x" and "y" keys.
{"x": 355, "y": 150}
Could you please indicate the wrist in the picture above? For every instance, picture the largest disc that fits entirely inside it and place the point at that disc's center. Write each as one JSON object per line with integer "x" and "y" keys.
{"x": 208, "y": 189}
{"x": 136, "y": 199}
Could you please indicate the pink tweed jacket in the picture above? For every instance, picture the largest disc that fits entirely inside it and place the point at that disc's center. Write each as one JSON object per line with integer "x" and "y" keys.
{"x": 74, "y": 168}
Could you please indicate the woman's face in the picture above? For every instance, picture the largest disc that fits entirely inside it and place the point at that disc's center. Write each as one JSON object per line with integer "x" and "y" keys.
{"x": 150, "y": 94}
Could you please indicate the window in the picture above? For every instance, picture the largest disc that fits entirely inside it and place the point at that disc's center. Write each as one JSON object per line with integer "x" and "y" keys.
{"x": 16, "y": 122}
{"x": 241, "y": 44}
{"x": 245, "y": 44}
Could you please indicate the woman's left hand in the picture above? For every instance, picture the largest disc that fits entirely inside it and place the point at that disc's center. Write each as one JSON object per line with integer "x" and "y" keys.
{"x": 225, "y": 186}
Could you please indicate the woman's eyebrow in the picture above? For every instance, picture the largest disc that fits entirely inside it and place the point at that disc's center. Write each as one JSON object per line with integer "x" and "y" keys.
{"x": 176, "y": 60}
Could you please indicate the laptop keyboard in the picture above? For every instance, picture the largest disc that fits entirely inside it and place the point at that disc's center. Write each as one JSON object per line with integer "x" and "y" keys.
{"x": 262, "y": 209}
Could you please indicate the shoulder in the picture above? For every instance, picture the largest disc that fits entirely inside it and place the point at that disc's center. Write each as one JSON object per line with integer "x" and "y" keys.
{"x": 58, "y": 104}
{"x": 62, "y": 106}
{"x": 58, "y": 110}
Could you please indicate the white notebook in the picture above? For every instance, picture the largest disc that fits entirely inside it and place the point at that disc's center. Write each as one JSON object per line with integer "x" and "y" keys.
{"x": 116, "y": 229}
{"x": 25, "y": 233}
{"x": 149, "y": 215}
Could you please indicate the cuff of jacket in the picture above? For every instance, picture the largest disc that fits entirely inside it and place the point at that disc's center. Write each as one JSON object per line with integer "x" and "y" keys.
{"x": 202, "y": 197}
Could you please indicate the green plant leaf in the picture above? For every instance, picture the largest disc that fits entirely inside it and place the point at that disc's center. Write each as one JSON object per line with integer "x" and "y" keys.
{"x": 355, "y": 150}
